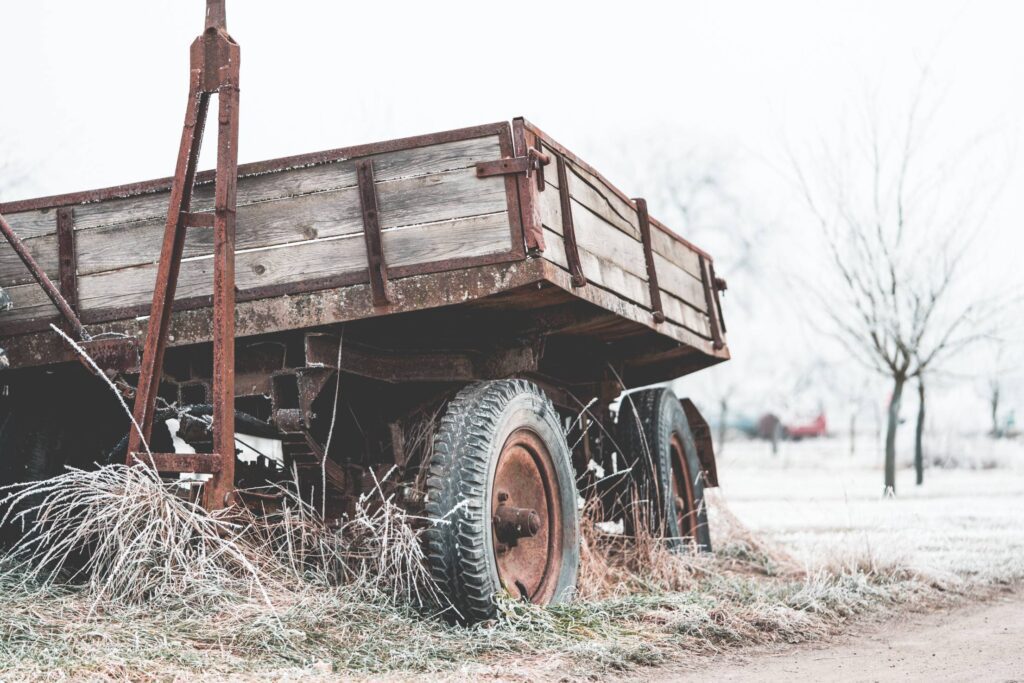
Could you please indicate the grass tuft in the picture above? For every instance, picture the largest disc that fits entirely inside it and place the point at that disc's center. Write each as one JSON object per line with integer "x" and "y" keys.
{"x": 119, "y": 577}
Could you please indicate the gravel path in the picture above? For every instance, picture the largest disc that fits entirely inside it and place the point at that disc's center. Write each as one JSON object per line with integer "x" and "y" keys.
{"x": 983, "y": 642}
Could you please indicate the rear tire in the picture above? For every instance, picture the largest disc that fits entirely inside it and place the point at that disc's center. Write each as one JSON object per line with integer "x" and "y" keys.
{"x": 498, "y": 456}
{"x": 666, "y": 483}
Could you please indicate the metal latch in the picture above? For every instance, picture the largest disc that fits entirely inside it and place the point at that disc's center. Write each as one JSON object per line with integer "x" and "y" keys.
{"x": 531, "y": 164}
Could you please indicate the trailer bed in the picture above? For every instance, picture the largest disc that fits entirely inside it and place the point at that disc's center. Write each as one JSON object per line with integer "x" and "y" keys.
{"x": 462, "y": 228}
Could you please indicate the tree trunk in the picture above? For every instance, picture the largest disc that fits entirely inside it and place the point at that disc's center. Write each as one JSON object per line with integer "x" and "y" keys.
{"x": 919, "y": 434}
{"x": 890, "y": 434}
{"x": 994, "y": 405}
{"x": 853, "y": 434}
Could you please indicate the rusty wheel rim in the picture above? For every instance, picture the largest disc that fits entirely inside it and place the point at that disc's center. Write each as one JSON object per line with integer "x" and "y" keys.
{"x": 682, "y": 491}
{"x": 525, "y": 482}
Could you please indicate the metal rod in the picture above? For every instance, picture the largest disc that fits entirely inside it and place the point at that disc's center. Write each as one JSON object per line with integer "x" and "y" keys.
{"x": 216, "y": 17}
{"x": 219, "y": 490}
{"x": 40, "y": 276}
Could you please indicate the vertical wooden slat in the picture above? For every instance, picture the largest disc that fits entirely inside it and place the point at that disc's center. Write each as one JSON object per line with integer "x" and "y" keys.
{"x": 371, "y": 232}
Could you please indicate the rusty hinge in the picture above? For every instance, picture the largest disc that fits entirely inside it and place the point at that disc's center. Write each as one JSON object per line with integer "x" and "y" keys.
{"x": 531, "y": 164}
{"x": 719, "y": 285}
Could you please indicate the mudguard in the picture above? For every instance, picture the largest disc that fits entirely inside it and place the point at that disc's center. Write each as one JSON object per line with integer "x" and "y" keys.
{"x": 702, "y": 438}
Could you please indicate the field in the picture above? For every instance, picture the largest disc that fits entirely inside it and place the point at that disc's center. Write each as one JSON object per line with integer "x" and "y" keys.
{"x": 822, "y": 503}
{"x": 806, "y": 546}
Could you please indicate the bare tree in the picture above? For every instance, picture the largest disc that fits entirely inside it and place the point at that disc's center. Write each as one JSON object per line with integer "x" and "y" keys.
{"x": 897, "y": 219}
{"x": 919, "y": 433}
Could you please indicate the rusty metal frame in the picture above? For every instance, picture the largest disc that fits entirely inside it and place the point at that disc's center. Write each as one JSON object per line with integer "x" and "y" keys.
{"x": 67, "y": 266}
{"x": 709, "y": 302}
{"x": 657, "y": 311}
{"x": 717, "y": 285}
{"x": 377, "y": 266}
{"x": 214, "y": 70}
{"x": 532, "y": 229}
{"x": 572, "y": 250}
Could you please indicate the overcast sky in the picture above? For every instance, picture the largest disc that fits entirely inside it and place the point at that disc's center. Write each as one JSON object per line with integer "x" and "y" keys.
{"x": 94, "y": 92}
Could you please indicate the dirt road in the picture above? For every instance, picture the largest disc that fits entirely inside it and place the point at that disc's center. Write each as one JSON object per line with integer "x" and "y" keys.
{"x": 978, "y": 643}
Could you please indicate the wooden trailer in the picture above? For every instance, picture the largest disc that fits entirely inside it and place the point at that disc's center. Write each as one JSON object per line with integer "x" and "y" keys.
{"x": 481, "y": 293}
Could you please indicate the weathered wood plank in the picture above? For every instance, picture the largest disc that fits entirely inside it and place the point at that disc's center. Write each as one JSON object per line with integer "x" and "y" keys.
{"x": 595, "y": 234}
{"x": 404, "y": 163}
{"x": 43, "y": 250}
{"x": 28, "y": 224}
{"x": 594, "y": 194}
{"x": 675, "y": 251}
{"x": 599, "y": 271}
{"x": 143, "y": 216}
{"x": 682, "y": 313}
{"x": 603, "y": 273}
{"x": 293, "y": 263}
{"x": 673, "y": 279}
{"x": 601, "y": 239}
{"x": 408, "y": 201}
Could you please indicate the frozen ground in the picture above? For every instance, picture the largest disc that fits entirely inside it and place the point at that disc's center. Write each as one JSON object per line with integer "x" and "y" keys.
{"x": 820, "y": 502}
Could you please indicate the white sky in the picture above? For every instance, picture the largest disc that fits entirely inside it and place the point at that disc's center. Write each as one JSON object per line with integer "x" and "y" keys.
{"x": 94, "y": 91}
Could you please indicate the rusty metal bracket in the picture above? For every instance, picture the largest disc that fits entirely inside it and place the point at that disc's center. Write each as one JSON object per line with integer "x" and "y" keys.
{"x": 214, "y": 70}
{"x": 706, "y": 280}
{"x": 572, "y": 250}
{"x": 530, "y": 165}
{"x": 66, "y": 257}
{"x": 644, "y": 220}
{"x": 201, "y": 463}
{"x": 113, "y": 355}
{"x": 371, "y": 232}
{"x": 719, "y": 285}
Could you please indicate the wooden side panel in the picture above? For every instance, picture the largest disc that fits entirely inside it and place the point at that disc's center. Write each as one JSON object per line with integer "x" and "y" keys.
{"x": 611, "y": 251}
{"x": 295, "y": 226}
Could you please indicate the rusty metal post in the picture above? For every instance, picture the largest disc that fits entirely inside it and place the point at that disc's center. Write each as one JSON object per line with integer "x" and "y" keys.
{"x": 222, "y": 485}
{"x": 215, "y": 69}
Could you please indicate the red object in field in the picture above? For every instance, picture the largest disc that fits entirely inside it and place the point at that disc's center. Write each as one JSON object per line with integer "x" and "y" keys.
{"x": 814, "y": 429}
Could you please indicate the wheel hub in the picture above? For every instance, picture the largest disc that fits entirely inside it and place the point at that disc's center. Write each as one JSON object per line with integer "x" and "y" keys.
{"x": 526, "y": 518}
{"x": 512, "y": 523}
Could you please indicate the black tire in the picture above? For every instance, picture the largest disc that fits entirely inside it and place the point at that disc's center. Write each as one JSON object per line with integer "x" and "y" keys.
{"x": 658, "y": 445}
{"x": 461, "y": 544}
{"x": 33, "y": 447}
